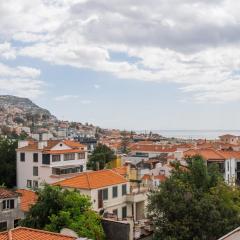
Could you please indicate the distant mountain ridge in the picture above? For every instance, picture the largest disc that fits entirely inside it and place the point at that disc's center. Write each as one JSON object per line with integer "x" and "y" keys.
{"x": 22, "y": 110}
{"x": 24, "y": 104}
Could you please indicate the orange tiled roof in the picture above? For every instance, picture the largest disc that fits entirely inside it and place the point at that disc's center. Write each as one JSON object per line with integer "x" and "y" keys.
{"x": 93, "y": 180}
{"x": 22, "y": 233}
{"x": 121, "y": 170}
{"x": 230, "y": 154}
{"x": 162, "y": 178}
{"x": 33, "y": 145}
{"x": 73, "y": 144}
{"x": 152, "y": 148}
{"x": 207, "y": 154}
{"x": 28, "y": 198}
{"x": 146, "y": 177}
{"x": 7, "y": 193}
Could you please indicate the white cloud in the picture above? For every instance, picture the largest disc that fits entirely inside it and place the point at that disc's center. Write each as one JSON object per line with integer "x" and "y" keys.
{"x": 20, "y": 81}
{"x": 192, "y": 43}
{"x": 6, "y": 51}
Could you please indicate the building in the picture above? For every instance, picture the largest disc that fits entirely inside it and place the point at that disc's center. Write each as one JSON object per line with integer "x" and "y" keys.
{"x": 48, "y": 161}
{"x": 230, "y": 139}
{"x": 23, "y": 233}
{"x": 228, "y": 162}
{"x": 109, "y": 192}
{"x": 233, "y": 235}
{"x": 10, "y": 212}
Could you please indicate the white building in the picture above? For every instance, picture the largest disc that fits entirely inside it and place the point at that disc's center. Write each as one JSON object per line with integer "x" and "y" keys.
{"x": 48, "y": 161}
{"x": 109, "y": 193}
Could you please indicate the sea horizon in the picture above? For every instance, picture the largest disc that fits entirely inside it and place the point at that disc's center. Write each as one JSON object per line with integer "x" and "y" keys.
{"x": 192, "y": 134}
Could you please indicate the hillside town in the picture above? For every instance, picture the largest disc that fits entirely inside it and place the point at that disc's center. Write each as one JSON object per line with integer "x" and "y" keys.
{"x": 119, "y": 188}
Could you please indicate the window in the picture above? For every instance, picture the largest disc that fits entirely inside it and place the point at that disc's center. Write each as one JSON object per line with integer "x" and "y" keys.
{"x": 3, "y": 226}
{"x": 124, "y": 212}
{"x": 8, "y": 204}
{"x": 115, "y": 212}
{"x": 81, "y": 155}
{"x": 124, "y": 189}
{"x": 105, "y": 194}
{"x": 69, "y": 156}
{"x": 16, "y": 223}
{"x": 46, "y": 159}
{"x": 56, "y": 158}
{"x": 29, "y": 183}
{"x": 35, "y": 184}
{"x": 35, "y": 157}
{"x": 228, "y": 165}
{"x": 59, "y": 171}
{"x": 115, "y": 192}
{"x": 22, "y": 157}
{"x": 35, "y": 171}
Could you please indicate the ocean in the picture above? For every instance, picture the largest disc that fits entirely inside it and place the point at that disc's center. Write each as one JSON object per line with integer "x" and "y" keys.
{"x": 195, "y": 134}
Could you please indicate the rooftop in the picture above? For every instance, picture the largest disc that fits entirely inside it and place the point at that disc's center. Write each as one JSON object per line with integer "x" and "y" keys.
{"x": 93, "y": 180}
{"x": 7, "y": 193}
{"x": 28, "y": 198}
{"x": 22, "y": 233}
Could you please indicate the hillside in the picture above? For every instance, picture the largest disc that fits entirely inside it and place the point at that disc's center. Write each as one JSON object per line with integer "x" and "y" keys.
{"x": 22, "y": 111}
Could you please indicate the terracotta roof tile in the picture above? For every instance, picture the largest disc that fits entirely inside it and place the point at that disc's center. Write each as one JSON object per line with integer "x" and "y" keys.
{"x": 208, "y": 154}
{"x": 121, "y": 170}
{"x": 152, "y": 148}
{"x": 6, "y": 193}
{"x": 28, "y": 198}
{"x": 93, "y": 180}
{"x": 22, "y": 233}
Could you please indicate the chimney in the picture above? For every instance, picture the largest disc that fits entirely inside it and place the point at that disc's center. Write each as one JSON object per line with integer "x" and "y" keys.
{"x": 22, "y": 143}
{"x": 42, "y": 144}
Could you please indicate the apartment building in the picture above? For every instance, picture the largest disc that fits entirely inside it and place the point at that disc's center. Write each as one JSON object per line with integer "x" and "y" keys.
{"x": 109, "y": 192}
{"x": 228, "y": 162}
{"x": 10, "y": 212}
{"x": 48, "y": 161}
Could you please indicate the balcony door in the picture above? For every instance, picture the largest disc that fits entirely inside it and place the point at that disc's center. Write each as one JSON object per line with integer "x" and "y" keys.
{"x": 100, "y": 198}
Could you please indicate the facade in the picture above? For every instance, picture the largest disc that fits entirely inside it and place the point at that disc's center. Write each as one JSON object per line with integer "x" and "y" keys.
{"x": 10, "y": 212}
{"x": 48, "y": 161}
{"x": 230, "y": 139}
{"x": 110, "y": 193}
{"x": 228, "y": 162}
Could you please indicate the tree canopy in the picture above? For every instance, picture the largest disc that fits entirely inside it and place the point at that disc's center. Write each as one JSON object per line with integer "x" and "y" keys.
{"x": 8, "y": 162}
{"x": 100, "y": 157}
{"x": 194, "y": 204}
{"x": 57, "y": 208}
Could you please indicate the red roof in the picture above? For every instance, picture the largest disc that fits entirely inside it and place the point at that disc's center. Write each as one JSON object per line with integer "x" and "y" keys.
{"x": 22, "y": 233}
{"x": 28, "y": 198}
{"x": 6, "y": 193}
{"x": 93, "y": 180}
{"x": 207, "y": 154}
{"x": 152, "y": 148}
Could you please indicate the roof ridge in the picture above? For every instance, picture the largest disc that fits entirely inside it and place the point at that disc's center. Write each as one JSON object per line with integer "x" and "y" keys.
{"x": 88, "y": 180}
{"x": 10, "y": 234}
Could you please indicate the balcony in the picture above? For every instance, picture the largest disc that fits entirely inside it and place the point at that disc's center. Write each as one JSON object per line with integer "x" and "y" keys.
{"x": 137, "y": 195}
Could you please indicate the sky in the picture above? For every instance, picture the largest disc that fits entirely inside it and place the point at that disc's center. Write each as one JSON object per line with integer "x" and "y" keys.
{"x": 127, "y": 64}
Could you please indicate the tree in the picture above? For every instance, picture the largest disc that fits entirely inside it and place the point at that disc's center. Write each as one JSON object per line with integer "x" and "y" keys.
{"x": 100, "y": 157}
{"x": 57, "y": 208}
{"x": 125, "y": 142}
{"x": 194, "y": 203}
{"x": 8, "y": 162}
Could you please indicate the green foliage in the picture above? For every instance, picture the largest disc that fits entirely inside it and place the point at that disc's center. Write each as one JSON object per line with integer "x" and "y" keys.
{"x": 194, "y": 204}
{"x": 8, "y": 162}
{"x": 57, "y": 209}
{"x": 100, "y": 157}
